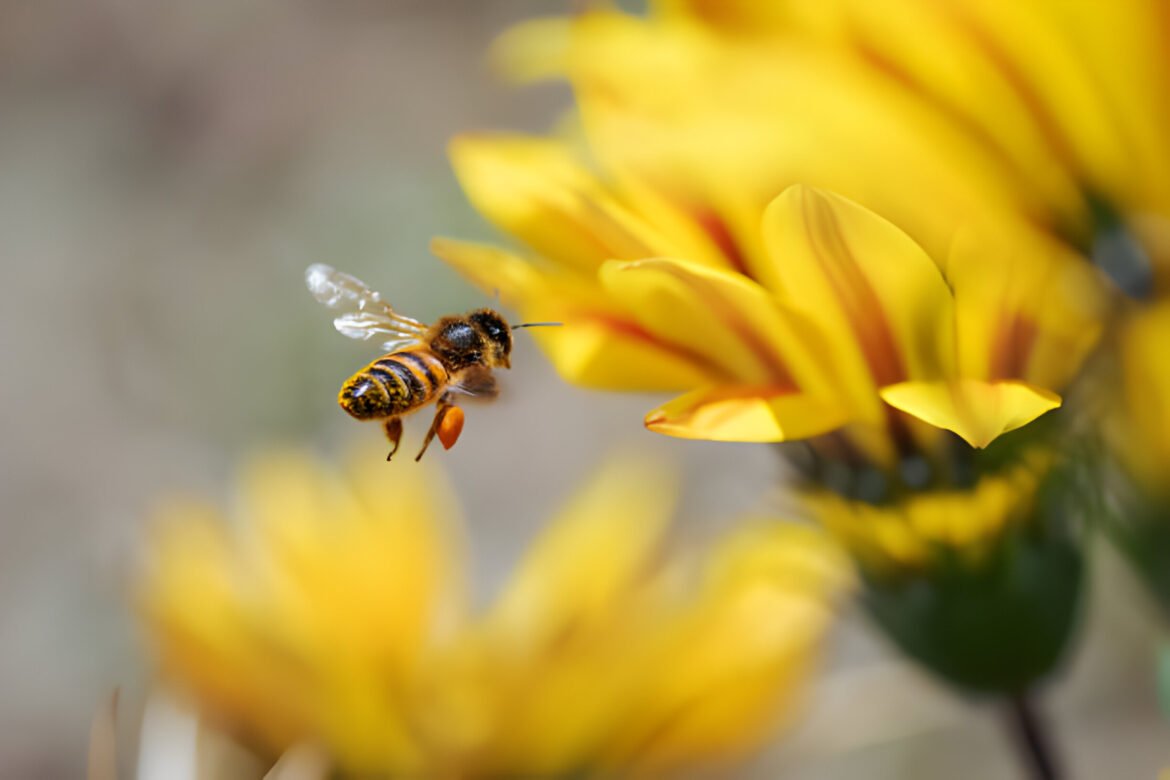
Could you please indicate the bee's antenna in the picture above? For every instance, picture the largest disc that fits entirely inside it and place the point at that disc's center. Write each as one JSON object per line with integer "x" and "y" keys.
{"x": 538, "y": 325}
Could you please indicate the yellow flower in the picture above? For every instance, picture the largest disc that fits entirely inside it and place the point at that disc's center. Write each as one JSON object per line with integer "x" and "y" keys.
{"x": 685, "y": 250}
{"x": 838, "y": 320}
{"x": 306, "y": 620}
{"x": 334, "y": 613}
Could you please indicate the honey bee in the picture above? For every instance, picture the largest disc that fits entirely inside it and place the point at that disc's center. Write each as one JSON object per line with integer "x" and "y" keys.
{"x": 423, "y": 363}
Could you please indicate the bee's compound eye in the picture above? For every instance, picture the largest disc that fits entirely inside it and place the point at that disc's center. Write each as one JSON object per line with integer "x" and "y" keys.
{"x": 494, "y": 328}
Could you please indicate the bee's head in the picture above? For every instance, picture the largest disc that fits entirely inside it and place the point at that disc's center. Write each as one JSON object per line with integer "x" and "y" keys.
{"x": 497, "y": 336}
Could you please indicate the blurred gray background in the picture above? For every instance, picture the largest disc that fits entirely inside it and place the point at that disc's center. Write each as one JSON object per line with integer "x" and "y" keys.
{"x": 167, "y": 170}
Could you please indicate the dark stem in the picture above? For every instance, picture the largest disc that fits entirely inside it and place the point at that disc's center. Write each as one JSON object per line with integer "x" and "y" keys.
{"x": 1031, "y": 738}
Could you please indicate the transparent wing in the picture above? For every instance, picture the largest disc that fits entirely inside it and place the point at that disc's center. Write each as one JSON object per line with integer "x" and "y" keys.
{"x": 364, "y": 315}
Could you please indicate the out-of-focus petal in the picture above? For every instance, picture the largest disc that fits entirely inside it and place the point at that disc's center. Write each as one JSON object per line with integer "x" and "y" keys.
{"x": 1080, "y": 120}
{"x": 977, "y": 87}
{"x": 494, "y": 271}
{"x": 977, "y": 411}
{"x": 194, "y": 609}
{"x": 270, "y": 608}
{"x": 601, "y": 545}
{"x": 739, "y": 16}
{"x": 1123, "y": 48}
{"x": 735, "y": 675}
{"x": 799, "y": 558}
{"x": 737, "y": 662}
{"x": 747, "y": 413}
{"x": 1143, "y": 438}
{"x": 538, "y": 191}
{"x": 1026, "y": 307}
{"x": 396, "y": 552}
{"x": 741, "y": 119}
{"x": 533, "y": 50}
{"x": 600, "y": 654}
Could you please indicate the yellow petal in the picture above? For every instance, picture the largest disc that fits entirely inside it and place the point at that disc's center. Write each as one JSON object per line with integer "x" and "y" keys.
{"x": 542, "y": 192}
{"x": 378, "y": 538}
{"x": 737, "y": 664}
{"x": 1026, "y": 307}
{"x": 538, "y": 191}
{"x": 610, "y": 352}
{"x": 600, "y": 546}
{"x": 977, "y": 411}
{"x": 316, "y": 534}
{"x": 1143, "y": 440}
{"x": 1119, "y": 40}
{"x": 194, "y": 600}
{"x": 981, "y": 92}
{"x": 718, "y": 118}
{"x": 493, "y": 270}
{"x": 738, "y": 16}
{"x": 533, "y": 50}
{"x": 600, "y": 345}
{"x": 1077, "y": 113}
{"x": 736, "y": 673}
{"x": 800, "y": 558}
{"x": 744, "y": 332}
{"x": 745, "y": 413}
{"x": 881, "y": 299}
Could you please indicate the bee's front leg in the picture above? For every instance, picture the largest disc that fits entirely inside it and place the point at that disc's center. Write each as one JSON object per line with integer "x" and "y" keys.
{"x": 448, "y": 424}
{"x": 393, "y": 428}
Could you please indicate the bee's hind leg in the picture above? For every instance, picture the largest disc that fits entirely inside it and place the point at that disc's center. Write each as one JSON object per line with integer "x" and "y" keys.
{"x": 393, "y": 428}
{"x": 448, "y": 424}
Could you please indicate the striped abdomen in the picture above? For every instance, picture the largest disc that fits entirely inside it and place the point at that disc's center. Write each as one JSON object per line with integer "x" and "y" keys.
{"x": 393, "y": 384}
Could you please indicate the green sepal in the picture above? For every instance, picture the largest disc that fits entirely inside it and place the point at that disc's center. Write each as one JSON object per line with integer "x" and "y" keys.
{"x": 999, "y": 623}
{"x": 995, "y": 628}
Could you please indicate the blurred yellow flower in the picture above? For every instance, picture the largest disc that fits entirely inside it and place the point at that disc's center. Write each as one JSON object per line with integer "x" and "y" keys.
{"x": 717, "y": 123}
{"x": 334, "y": 613}
{"x": 928, "y": 112}
{"x": 1071, "y": 98}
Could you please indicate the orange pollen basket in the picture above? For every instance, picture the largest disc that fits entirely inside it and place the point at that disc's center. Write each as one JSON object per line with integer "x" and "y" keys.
{"x": 450, "y": 427}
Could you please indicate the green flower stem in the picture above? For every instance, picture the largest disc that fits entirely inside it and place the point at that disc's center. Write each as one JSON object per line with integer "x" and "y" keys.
{"x": 1031, "y": 738}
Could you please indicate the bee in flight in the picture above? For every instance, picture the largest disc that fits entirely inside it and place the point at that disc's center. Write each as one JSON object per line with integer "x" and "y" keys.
{"x": 422, "y": 363}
